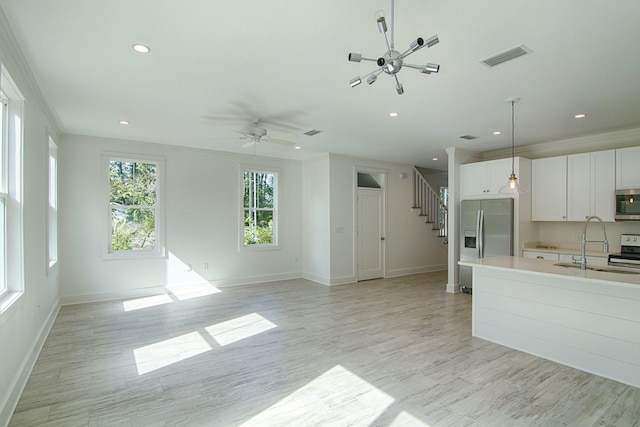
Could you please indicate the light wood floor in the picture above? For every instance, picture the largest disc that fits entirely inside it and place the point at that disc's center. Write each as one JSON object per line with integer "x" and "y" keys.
{"x": 393, "y": 352}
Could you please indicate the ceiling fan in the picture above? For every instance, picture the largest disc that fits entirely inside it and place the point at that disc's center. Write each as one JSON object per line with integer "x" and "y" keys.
{"x": 259, "y": 134}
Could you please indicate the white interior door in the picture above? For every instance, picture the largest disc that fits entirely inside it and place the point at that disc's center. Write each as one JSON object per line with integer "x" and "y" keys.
{"x": 370, "y": 229}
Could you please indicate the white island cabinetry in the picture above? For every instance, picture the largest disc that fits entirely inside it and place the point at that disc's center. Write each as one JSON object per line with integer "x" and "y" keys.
{"x": 584, "y": 319}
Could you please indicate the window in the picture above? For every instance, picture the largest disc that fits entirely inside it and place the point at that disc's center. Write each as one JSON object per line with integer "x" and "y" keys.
{"x": 52, "y": 207}
{"x": 260, "y": 208}
{"x": 11, "y": 253}
{"x": 3, "y": 192}
{"x": 134, "y": 207}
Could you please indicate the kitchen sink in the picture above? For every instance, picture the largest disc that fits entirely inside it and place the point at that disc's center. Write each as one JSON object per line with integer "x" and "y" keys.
{"x": 599, "y": 268}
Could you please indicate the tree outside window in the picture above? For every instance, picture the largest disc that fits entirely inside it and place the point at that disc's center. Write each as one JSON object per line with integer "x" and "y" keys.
{"x": 259, "y": 207}
{"x": 133, "y": 202}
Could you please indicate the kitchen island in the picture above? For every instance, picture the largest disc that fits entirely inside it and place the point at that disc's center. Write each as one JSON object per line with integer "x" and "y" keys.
{"x": 586, "y": 319}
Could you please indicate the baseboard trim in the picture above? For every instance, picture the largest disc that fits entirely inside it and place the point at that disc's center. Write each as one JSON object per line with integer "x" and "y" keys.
{"x": 113, "y": 295}
{"x": 317, "y": 278}
{"x": 20, "y": 382}
{"x": 160, "y": 290}
{"x": 416, "y": 270}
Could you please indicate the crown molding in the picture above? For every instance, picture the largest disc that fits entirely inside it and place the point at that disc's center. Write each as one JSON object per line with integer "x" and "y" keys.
{"x": 584, "y": 144}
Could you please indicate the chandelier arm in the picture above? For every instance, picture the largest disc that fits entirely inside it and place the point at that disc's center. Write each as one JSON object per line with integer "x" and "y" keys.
{"x": 369, "y": 59}
{"x": 377, "y": 72}
{"x": 389, "y": 46}
{"x": 414, "y": 66}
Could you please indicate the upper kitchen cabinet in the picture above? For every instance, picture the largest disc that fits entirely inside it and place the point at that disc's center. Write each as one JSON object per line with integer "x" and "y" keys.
{"x": 627, "y": 170}
{"x": 486, "y": 178}
{"x": 574, "y": 187}
{"x": 549, "y": 189}
{"x": 591, "y": 185}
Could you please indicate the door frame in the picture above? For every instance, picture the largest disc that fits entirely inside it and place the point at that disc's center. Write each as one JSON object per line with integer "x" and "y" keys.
{"x": 383, "y": 175}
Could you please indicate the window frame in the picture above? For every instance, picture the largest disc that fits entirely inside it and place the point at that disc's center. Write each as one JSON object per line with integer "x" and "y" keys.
{"x": 11, "y": 187}
{"x": 159, "y": 250}
{"x": 277, "y": 174}
{"x": 52, "y": 204}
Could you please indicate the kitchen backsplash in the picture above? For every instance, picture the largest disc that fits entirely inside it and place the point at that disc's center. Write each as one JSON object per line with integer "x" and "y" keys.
{"x": 572, "y": 231}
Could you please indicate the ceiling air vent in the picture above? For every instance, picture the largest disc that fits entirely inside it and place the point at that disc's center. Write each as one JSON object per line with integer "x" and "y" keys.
{"x": 469, "y": 137}
{"x": 312, "y": 132}
{"x": 507, "y": 55}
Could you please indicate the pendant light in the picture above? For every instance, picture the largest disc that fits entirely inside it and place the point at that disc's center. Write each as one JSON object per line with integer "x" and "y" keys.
{"x": 512, "y": 185}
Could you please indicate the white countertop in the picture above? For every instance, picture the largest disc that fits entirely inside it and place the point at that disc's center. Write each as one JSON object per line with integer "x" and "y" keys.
{"x": 546, "y": 267}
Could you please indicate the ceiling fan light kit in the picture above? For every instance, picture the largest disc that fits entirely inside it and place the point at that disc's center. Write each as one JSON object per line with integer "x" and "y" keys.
{"x": 393, "y": 61}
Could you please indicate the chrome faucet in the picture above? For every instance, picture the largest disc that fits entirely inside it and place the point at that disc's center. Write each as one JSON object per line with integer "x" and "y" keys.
{"x": 605, "y": 243}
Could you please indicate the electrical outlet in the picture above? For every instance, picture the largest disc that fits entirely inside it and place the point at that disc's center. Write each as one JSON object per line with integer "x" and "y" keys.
{"x": 205, "y": 266}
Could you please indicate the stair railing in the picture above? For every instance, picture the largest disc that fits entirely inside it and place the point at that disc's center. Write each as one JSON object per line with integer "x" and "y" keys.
{"x": 427, "y": 203}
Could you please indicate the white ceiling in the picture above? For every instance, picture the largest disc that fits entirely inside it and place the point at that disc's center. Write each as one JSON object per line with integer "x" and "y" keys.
{"x": 214, "y": 65}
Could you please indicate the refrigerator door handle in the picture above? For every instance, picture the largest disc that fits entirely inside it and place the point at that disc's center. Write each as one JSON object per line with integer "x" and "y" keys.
{"x": 480, "y": 233}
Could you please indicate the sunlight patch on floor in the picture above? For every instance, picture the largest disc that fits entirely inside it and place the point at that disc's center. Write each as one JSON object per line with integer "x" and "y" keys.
{"x": 167, "y": 352}
{"x": 405, "y": 419}
{"x": 186, "y": 291}
{"x": 237, "y": 329}
{"x": 140, "y": 303}
{"x": 337, "y": 397}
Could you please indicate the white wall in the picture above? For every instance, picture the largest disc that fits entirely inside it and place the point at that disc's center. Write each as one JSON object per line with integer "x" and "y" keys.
{"x": 25, "y": 324}
{"x": 411, "y": 245}
{"x": 316, "y": 220}
{"x": 202, "y": 200}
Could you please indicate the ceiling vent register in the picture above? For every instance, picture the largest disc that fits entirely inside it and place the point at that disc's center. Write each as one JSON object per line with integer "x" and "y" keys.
{"x": 507, "y": 55}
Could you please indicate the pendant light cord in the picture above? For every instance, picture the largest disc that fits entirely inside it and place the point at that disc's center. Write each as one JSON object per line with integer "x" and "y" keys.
{"x": 513, "y": 143}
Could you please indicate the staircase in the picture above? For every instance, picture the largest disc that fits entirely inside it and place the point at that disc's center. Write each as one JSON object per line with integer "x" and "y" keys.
{"x": 429, "y": 204}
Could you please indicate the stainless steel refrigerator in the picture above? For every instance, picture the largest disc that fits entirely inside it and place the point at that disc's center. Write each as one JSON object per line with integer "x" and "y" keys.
{"x": 486, "y": 230}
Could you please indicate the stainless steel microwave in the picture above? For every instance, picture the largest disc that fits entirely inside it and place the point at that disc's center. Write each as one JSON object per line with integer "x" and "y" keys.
{"x": 627, "y": 205}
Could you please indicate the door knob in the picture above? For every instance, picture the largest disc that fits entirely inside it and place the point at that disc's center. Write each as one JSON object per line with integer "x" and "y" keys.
{"x": 382, "y": 238}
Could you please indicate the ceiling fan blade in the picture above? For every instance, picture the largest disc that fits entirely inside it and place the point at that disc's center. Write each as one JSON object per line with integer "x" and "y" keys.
{"x": 281, "y": 142}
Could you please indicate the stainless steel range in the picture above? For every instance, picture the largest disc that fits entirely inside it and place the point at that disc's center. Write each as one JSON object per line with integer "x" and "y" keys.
{"x": 629, "y": 255}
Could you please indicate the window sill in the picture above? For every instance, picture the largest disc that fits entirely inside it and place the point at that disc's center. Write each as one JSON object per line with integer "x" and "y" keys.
{"x": 8, "y": 299}
{"x": 124, "y": 255}
{"x": 259, "y": 248}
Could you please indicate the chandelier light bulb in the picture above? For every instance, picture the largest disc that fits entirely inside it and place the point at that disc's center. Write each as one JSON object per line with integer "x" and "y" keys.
{"x": 381, "y": 20}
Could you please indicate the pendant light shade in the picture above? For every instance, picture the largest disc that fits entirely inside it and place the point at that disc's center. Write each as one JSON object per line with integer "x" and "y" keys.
{"x": 512, "y": 185}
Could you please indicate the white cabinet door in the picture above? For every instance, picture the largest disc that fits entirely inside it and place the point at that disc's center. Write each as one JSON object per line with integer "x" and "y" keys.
{"x": 594, "y": 261}
{"x": 627, "y": 170}
{"x": 603, "y": 186}
{"x": 597, "y": 261}
{"x": 578, "y": 187}
{"x": 474, "y": 179}
{"x": 485, "y": 178}
{"x": 540, "y": 255}
{"x": 549, "y": 189}
{"x": 498, "y": 173}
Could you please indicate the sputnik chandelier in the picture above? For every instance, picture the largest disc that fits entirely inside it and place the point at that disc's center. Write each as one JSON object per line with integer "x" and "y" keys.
{"x": 393, "y": 61}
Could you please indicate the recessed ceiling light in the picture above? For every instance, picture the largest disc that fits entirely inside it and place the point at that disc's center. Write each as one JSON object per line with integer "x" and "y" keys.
{"x": 580, "y": 116}
{"x": 434, "y": 159}
{"x": 393, "y": 114}
{"x": 297, "y": 147}
{"x": 123, "y": 122}
{"x": 140, "y": 48}
{"x": 497, "y": 132}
